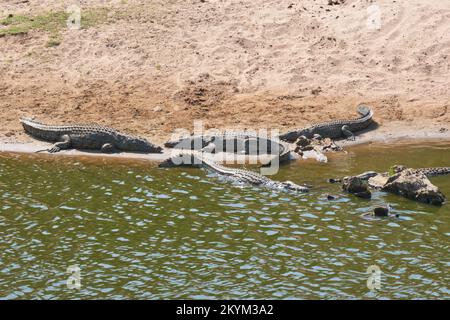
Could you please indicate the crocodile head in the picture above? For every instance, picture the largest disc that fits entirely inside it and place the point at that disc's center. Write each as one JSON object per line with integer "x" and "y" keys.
{"x": 292, "y": 136}
{"x": 289, "y": 185}
{"x": 307, "y": 133}
{"x": 129, "y": 143}
{"x": 398, "y": 168}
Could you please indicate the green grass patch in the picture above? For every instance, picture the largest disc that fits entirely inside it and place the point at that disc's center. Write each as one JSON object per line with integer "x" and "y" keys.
{"x": 94, "y": 17}
{"x": 391, "y": 171}
{"x": 51, "y": 22}
{"x": 18, "y": 24}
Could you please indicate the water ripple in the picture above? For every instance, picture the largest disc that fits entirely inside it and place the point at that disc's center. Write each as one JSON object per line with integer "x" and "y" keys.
{"x": 137, "y": 231}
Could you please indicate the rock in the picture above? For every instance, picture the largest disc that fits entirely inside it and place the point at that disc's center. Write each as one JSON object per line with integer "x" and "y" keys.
{"x": 319, "y": 156}
{"x": 335, "y": 2}
{"x": 378, "y": 181}
{"x": 302, "y": 141}
{"x": 367, "y": 175}
{"x": 327, "y": 143}
{"x": 307, "y": 148}
{"x": 381, "y": 211}
{"x": 316, "y": 91}
{"x": 157, "y": 109}
{"x": 297, "y": 154}
{"x": 357, "y": 186}
{"x": 364, "y": 194}
{"x": 415, "y": 186}
{"x": 374, "y": 179}
{"x": 354, "y": 184}
{"x": 334, "y": 180}
{"x": 315, "y": 147}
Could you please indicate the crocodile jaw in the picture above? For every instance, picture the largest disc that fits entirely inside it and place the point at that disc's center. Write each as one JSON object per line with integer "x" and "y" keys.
{"x": 294, "y": 187}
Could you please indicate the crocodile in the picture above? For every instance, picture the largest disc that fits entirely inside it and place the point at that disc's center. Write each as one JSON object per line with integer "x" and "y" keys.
{"x": 333, "y": 129}
{"x": 86, "y": 136}
{"x": 195, "y": 158}
{"x": 244, "y": 142}
{"x": 428, "y": 172}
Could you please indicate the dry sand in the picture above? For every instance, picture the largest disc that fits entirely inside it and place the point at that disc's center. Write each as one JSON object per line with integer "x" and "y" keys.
{"x": 246, "y": 64}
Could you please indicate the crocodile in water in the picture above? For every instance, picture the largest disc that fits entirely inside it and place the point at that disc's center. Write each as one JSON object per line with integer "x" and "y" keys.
{"x": 239, "y": 175}
{"x": 429, "y": 172}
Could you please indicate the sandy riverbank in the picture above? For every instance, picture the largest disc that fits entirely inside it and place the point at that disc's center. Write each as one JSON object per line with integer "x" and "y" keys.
{"x": 391, "y": 134}
{"x": 150, "y": 68}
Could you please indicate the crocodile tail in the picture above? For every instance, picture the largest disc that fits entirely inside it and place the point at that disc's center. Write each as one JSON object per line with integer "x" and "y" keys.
{"x": 28, "y": 124}
{"x": 364, "y": 110}
{"x": 432, "y": 172}
{"x": 28, "y": 120}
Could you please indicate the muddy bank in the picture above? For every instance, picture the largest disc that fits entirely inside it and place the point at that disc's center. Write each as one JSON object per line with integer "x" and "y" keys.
{"x": 398, "y": 132}
{"x": 31, "y": 148}
{"x": 390, "y": 134}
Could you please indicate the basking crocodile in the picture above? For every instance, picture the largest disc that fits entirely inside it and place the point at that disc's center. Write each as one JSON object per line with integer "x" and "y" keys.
{"x": 86, "y": 136}
{"x": 243, "y": 142}
{"x": 200, "y": 159}
{"x": 333, "y": 129}
{"x": 429, "y": 172}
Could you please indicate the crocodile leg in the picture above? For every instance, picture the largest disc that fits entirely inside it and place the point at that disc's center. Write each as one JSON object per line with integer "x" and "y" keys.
{"x": 209, "y": 148}
{"x": 64, "y": 144}
{"x": 346, "y": 131}
{"x": 250, "y": 146}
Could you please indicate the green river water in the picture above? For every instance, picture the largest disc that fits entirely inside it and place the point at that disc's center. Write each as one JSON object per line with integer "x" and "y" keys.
{"x": 139, "y": 232}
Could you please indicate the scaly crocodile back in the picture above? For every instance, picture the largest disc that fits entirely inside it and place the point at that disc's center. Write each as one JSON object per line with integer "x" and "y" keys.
{"x": 437, "y": 171}
{"x": 54, "y": 132}
{"x": 88, "y": 136}
{"x": 240, "y": 175}
{"x": 363, "y": 121}
{"x": 333, "y": 129}
{"x": 429, "y": 172}
{"x": 263, "y": 144}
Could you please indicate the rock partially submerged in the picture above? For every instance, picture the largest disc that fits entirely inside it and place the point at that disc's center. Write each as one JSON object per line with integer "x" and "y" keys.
{"x": 378, "y": 181}
{"x": 331, "y": 197}
{"x": 409, "y": 183}
{"x": 380, "y": 212}
{"x": 414, "y": 185}
{"x": 357, "y": 186}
